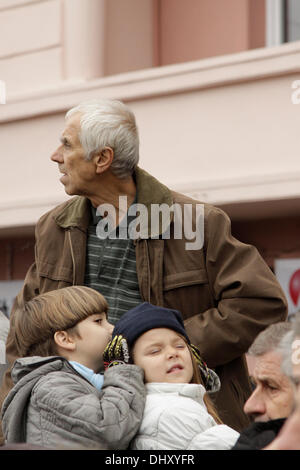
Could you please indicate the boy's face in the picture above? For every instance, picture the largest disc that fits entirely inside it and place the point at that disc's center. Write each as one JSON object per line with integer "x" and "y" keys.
{"x": 164, "y": 356}
{"x": 95, "y": 332}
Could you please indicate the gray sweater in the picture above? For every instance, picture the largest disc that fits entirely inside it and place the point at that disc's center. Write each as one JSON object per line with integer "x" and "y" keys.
{"x": 53, "y": 406}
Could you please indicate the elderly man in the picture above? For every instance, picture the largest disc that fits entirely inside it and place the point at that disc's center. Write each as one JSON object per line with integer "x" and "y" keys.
{"x": 225, "y": 291}
{"x": 272, "y": 399}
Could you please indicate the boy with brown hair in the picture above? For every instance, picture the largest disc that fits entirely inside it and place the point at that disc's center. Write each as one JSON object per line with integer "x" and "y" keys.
{"x": 59, "y": 397}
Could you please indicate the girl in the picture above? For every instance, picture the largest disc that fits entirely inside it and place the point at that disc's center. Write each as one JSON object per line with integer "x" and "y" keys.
{"x": 60, "y": 399}
{"x": 178, "y": 413}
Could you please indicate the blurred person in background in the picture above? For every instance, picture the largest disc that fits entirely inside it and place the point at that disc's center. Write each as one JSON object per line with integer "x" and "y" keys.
{"x": 4, "y": 327}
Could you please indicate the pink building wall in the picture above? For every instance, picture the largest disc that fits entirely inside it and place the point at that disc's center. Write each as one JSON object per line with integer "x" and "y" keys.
{"x": 192, "y": 30}
{"x": 44, "y": 44}
{"x": 215, "y": 113}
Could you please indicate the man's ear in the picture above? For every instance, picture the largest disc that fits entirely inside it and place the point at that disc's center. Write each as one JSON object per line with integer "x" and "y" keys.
{"x": 64, "y": 340}
{"x": 103, "y": 159}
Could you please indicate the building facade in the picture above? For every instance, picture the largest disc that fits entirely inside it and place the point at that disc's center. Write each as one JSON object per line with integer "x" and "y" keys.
{"x": 215, "y": 87}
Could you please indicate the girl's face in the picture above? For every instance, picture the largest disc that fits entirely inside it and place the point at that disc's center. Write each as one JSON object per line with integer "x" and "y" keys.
{"x": 164, "y": 356}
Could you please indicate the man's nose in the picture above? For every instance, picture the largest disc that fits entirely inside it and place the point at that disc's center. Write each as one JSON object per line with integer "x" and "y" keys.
{"x": 57, "y": 155}
{"x": 255, "y": 404}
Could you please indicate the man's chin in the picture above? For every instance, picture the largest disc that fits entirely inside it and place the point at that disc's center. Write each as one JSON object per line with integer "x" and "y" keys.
{"x": 73, "y": 191}
{"x": 70, "y": 191}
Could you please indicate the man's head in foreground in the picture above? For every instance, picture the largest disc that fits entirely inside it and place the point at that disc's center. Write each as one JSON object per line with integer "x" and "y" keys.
{"x": 272, "y": 397}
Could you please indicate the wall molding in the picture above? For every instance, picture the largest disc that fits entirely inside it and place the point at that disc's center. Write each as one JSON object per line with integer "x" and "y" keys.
{"x": 244, "y": 189}
{"x": 158, "y": 81}
{"x": 258, "y": 193}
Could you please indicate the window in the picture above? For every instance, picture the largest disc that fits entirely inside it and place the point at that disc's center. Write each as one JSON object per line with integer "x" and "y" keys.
{"x": 282, "y": 21}
{"x": 275, "y": 10}
{"x": 292, "y": 20}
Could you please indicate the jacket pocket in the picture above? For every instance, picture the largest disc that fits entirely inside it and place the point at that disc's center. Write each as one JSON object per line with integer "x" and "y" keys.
{"x": 55, "y": 272}
{"x": 188, "y": 291}
{"x": 184, "y": 279}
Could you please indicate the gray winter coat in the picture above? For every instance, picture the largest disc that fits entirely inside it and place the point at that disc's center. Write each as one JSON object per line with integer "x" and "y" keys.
{"x": 53, "y": 406}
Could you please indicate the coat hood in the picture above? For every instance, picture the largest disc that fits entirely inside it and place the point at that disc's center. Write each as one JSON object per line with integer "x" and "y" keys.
{"x": 25, "y": 374}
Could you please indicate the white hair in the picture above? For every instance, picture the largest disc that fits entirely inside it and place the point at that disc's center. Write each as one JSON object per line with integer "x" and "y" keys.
{"x": 109, "y": 123}
{"x": 286, "y": 345}
{"x": 269, "y": 339}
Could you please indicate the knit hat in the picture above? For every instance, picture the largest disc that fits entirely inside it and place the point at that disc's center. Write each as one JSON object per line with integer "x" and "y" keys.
{"x": 146, "y": 317}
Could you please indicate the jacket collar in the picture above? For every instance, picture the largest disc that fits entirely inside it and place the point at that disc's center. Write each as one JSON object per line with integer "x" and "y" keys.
{"x": 194, "y": 391}
{"x": 26, "y": 365}
{"x": 76, "y": 213}
{"x": 149, "y": 192}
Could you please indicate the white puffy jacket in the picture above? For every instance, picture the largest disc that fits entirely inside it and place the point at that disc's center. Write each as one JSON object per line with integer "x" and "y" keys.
{"x": 175, "y": 417}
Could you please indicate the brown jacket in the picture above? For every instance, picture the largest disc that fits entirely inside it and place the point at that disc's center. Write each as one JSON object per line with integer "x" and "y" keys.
{"x": 225, "y": 291}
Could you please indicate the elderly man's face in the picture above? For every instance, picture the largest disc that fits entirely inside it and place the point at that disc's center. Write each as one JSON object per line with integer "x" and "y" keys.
{"x": 273, "y": 395}
{"x": 77, "y": 173}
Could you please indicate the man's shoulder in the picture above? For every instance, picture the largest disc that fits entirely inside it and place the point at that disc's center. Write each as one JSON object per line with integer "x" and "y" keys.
{"x": 59, "y": 208}
{"x": 159, "y": 193}
{"x": 209, "y": 209}
{"x": 70, "y": 208}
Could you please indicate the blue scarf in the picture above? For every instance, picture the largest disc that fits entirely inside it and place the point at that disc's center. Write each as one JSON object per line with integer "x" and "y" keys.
{"x": 89, "y": 374}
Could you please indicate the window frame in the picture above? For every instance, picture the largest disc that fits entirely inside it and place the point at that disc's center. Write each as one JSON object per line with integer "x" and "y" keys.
{"x": 275, "y": 22}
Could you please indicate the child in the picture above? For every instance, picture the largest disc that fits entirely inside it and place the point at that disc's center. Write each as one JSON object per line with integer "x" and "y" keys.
{"x": 60, "y": 398}
{"x": 178, "y": 414}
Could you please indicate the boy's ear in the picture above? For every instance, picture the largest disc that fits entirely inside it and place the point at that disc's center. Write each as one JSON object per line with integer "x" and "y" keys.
{"x": 64, "y": 340}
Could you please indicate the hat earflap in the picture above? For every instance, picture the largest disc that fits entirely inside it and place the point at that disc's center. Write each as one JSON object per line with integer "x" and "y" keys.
{"x": 116, "y": 352}
{"x": 210, "y": 379}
